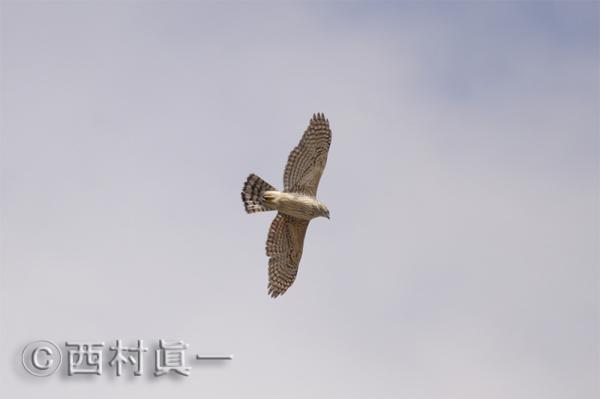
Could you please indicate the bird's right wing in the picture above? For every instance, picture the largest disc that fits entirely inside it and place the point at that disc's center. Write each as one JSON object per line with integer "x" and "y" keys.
{"x": 284, "y": 249}
{"x": 307, "y": 160}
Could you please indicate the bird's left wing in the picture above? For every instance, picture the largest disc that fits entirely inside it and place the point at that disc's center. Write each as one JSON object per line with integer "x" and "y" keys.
{"x": 284, "y": 249}
{"x": 307, "y": 160}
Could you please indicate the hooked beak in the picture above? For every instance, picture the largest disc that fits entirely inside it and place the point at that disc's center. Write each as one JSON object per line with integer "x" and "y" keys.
{"x": 327, "y": 216}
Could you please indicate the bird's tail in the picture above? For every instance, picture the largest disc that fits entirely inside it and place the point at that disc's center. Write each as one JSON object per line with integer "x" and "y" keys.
{"x": 252, "y": 194}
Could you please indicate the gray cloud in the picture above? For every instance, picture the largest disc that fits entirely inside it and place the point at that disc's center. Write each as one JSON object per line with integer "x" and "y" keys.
{"x": 462, "y": 255}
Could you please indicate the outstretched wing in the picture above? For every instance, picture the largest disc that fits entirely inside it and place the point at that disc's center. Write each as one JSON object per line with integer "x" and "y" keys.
{"x": 284, "y": 249}
{"x": 306, "y": 162}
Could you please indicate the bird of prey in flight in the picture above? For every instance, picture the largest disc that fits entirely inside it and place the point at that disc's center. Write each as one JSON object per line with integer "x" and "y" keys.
{"x": 296, "y": 205}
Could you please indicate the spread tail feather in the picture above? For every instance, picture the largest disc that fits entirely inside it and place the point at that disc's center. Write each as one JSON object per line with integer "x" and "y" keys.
{"x": 252, "y": 194}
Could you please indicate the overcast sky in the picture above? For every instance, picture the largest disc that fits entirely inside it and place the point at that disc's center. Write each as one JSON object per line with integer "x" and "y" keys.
{"x": 462, "y": 255}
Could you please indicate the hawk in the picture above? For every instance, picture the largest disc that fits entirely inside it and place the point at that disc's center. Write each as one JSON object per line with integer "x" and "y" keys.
{"x": 296, "y": 205}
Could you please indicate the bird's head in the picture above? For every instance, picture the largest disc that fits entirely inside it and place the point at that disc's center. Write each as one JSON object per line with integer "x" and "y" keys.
{"x": 324, "y": 211}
